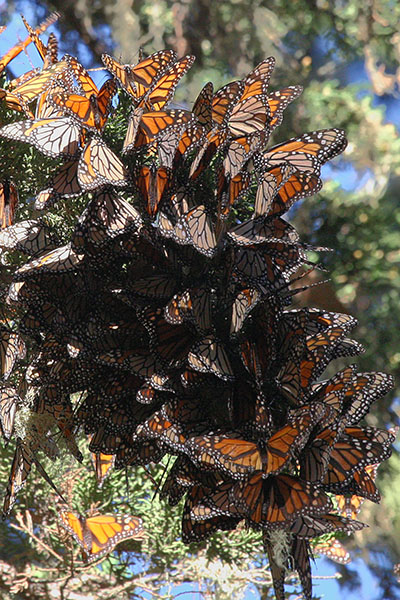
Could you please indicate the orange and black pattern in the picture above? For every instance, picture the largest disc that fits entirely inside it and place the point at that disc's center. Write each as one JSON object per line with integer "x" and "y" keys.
{"x": 168, "y": 311}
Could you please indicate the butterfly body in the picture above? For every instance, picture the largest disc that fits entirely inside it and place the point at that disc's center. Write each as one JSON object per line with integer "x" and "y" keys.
{"x": 98, "y": 535}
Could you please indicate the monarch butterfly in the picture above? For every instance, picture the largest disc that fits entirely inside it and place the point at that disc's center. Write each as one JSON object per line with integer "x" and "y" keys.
{"x": 14, "y": 83}
{"x": 61, "y": 260}
{"x": 193, "y": 305}
{"x": 61, "y": 412}
{"x": 176, "y": 231}
{"x": 202, "y": 107}
{"x": 249, "y": 115}
{"x": 132, "y": 130}
{"x": 114, "y": 386}
{"x": 296, "y": 554}
{"x": 256, "y": 358}
{"x": 343, "y": 455}
{"x": 332, "y": 391}
{"x": 310, "y": 151}
{"x": 300, "y": 561}
{"x": 20, "y": 469}
{"x": 209, "y": 356}
{"x": 364, "y": 389}
{"x": 114, "y": 420}
{"x": 280, "y": 187}
{"x": 183, "y": 411}
{"x": 104, "y": 439}
{"x": 167, "y": 144}
{"x": 239, "y": 457}
{"x": 254, "y": 232}
{"x": 25, "y": 93}
{"x": 196, "y": 531}
{"x": 229, "y": 191}
{"x": 350, "y": 505}
{"x": 279, "y": 100}
{"x": 91, "y": 110}
{"x": 99, "y": 166}
{"x": 49, "y": 53}
{"x": 269, "y": 268}
{"x": 355, "y": 448}
{"x": 11, "y": 54}
{"x": 8, "y": 203}
{"x": 200, "y": 229}
{"x": 362, "y": 483}
{"x": 142, "y": 364}
{"x": 243, "y": 304}
{"x": 311, "y": 321}
{"x": 138, "y": 79}
{"x": 159, "y": 285}
{"x": 9, "y": 400}
{"x": 243, "y": 107}
{"x": 139, "y": 454}
{"x": 160, "y": 427}
{"x": 314, "y": 460}
{"x": 144, "y": 128}
{"x": 257, "y": 81}
{"x": 42, "y": 317}
{"x": 103, "y": 464}
{"x": 317, "y": 413}
{"x": 12, "y": 348}
{"x": 214, "y": 141}
{"x": 334, "y": 550}
{"x": 45, "y": 108}
{"x": 15, "y": 103}
{"x": 224, "y": 100}
{"x": 184, "y": 475}
{"x": 240, "y": 150}
{"x": 147, "y": 394}
{"x": 106, "y": 216}
{"x": 162, "y": 90}
{"x": 53, "y": 137}
{"x": 268, "y": 503}
{"x": 193, "y": 136}
{"x": 308, "y": 362}
{"x": 307, "y": 526}
{"x": 153, "y": 182}
{"x": 349, "y": 392}
{"x": 99, "y": 534}
{"x": 170, "y": 343}
{"x": 64, "y": 184}
{"x": 30, "y": 237}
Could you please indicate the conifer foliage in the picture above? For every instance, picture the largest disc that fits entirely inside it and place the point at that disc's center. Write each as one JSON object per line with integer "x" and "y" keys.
{"x": 165, "y": 308}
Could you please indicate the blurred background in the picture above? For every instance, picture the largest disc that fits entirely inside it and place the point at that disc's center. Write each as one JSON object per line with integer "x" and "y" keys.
{"x": 346, "y": 56}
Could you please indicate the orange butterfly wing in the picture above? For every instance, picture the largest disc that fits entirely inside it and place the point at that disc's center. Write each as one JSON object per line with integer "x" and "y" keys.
{"x": 98, "y": 535}
{"x": 161, "y": 93}
{"x": 15, "y": 50}
{"x": 149, "y": 70}
{"x": 153, "y": 183}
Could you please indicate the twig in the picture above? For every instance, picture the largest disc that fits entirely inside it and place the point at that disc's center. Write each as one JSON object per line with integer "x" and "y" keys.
{"x": 38, "y": 541}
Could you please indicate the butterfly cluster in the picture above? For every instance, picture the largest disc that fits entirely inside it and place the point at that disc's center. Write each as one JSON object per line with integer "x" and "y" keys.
{"x": 167, "y": 310}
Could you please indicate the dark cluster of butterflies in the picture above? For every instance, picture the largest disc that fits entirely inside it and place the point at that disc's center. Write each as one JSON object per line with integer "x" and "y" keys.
{"x": 167, "y": 313}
